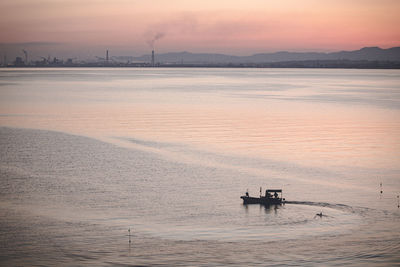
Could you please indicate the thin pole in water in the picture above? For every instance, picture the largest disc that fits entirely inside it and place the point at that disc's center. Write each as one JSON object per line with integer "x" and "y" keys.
{"x": 282, "y": 189}
{"x": 381, "y": 188}
{"x": 398, "y": 202}
{"x": 129, "y": 234}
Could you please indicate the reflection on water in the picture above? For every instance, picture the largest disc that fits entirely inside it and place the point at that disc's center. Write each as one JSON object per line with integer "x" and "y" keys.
{"x": 290, "y": 115}
{"x": 177, "y": 147}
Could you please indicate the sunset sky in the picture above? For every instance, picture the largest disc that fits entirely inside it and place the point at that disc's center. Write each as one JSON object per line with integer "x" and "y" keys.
{"x": 239, "y": 27}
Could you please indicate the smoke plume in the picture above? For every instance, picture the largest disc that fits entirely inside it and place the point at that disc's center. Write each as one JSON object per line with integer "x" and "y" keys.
{"x": 151, "y": 41}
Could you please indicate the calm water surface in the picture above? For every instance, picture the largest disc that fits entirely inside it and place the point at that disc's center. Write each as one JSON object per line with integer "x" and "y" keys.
{"x": 87, "y": 154}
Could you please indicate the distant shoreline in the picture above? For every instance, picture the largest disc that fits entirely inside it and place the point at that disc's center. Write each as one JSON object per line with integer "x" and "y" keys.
{"x": 307, "y": 64}
{"x": 364, "y": 58}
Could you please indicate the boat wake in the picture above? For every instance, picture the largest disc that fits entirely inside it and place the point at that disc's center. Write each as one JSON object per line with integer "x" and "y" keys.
{"x": 341, "y": 207}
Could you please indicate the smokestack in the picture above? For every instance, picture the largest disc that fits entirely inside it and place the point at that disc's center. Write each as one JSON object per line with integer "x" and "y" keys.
{"x": 26, "y": 56}
{"x": 107, "y": 56}
{"x": 152, "y": 58}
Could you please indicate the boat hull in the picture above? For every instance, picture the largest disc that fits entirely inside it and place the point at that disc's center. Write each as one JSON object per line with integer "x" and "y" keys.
{"x": 261, "y": 200}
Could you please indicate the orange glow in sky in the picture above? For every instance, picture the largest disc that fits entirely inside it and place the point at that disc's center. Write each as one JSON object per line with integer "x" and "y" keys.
{"x": 232, "y": 27}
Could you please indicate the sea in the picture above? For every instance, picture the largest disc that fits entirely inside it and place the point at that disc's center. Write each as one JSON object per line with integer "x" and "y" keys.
{"x": 146, "y": 166}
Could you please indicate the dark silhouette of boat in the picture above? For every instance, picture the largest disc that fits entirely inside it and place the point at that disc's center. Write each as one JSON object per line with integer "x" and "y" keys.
{"x": 272, "y": 197}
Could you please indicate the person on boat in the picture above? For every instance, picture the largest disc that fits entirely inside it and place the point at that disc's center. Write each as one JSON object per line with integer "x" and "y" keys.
{"x": 276, "y": 195}
{"x": 247, "y": 193}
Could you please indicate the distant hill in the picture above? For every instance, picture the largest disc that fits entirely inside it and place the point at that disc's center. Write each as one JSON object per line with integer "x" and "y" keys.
{"x": 366, "y": 53}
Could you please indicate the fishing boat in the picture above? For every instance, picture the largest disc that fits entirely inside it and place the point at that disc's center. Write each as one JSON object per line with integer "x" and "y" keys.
{"x": 272, "y": 197}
